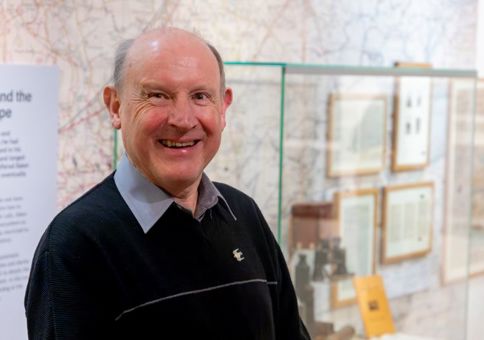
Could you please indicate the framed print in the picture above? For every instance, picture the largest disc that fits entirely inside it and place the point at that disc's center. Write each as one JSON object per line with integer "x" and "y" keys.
{"x": 357, "y": 220}
{"x": 407, "y": 221}
{"x": 463, "y": 249}
{"x": 356, "y": 134}
{"x": 411, "y": 123}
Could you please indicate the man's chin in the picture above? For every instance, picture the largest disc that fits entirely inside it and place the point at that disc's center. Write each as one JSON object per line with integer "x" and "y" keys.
{"x": 177, "y": 182}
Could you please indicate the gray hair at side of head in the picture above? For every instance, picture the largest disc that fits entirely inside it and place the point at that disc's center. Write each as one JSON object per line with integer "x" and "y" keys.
{"x": 220, "y": 63}
{"x": 125, "y": 46}
{"x": 119, "y": 61}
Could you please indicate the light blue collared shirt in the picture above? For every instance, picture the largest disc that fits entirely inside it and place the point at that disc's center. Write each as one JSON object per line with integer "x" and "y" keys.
{"x": 149, "y": 202}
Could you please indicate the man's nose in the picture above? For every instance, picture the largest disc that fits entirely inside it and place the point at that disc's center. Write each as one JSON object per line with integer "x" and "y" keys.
{"x": 182, "y": 114}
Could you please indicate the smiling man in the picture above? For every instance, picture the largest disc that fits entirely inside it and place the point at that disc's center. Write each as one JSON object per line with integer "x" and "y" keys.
{"x": 157, "y": 250}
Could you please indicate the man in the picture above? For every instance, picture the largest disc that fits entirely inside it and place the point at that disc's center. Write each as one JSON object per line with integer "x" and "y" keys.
{"x": 156, "y": 250}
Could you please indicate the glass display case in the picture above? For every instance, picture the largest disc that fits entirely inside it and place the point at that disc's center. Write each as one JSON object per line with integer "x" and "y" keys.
{"x": 364, "y": 172}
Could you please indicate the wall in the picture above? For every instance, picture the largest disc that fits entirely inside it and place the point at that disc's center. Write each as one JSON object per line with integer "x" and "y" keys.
{"x": 80, "y": 37}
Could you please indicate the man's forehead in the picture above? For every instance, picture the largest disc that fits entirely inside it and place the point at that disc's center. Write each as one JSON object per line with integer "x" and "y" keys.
{"x": 179, "y": 48}
{"x": 168, "y": 32}
{"x": 174, "y": 53}
{"x": 166, "y": 39}
{"x": 170, "y": 51}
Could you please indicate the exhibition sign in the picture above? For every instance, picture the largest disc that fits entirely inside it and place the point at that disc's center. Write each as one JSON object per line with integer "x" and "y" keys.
{"x": 28, "y": 176}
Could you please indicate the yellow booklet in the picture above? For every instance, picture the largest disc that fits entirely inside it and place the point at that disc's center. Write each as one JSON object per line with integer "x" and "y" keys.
{"x": 373, "y": 303}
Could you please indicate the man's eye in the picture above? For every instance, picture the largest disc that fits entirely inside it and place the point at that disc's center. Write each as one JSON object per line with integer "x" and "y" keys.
{"x": 201, "y": 97}
{"x": 157, "y": 95}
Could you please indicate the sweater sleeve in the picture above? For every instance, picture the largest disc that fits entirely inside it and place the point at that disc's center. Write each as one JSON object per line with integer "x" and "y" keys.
{"x": 40, "y": 321}
{"x": 66, "y": 297}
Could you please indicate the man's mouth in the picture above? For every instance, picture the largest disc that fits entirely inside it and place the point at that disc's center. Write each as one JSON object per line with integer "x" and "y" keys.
{"x": 178, "y": 145}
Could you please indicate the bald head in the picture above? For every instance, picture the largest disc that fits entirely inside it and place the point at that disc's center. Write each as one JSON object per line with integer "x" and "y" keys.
{"x": 170, "y": 105}
{"x": 157, "y": 39}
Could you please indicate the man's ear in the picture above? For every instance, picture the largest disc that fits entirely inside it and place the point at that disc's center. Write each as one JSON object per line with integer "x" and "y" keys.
{"x": 227, "y": 100}
{"x": 111, "y": 100}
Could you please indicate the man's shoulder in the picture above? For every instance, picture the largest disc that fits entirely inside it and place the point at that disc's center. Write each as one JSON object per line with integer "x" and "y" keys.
{"x": 243, "y": 206}
{"x": 102, "y": 195}
{"x": 97, "y": 206}
{"x": 83, "y": 219}
{"x": 234, "y": 197}
{"x": 229, "y": 192}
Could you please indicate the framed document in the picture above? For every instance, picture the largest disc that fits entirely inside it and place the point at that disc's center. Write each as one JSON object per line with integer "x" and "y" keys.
{"x": 356, "y": 134}
{"x": 411, "y": 123}
{"x": 357, "y": 220}
{"x": 463, "y": 251}
{"x": 407, "y": 221}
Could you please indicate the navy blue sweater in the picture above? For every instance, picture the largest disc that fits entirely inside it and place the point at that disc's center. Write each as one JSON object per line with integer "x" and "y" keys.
{"x": 97, "y": 275}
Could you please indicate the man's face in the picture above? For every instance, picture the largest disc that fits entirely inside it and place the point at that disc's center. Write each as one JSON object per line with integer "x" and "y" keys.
{"x": 171, "y": 109}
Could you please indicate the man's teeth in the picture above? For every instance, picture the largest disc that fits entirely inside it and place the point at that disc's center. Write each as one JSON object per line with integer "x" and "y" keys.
{"x": 171, "y": 144}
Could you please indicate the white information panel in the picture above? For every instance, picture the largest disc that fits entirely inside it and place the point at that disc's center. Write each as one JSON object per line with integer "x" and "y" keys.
{"x": 28, "y": 176}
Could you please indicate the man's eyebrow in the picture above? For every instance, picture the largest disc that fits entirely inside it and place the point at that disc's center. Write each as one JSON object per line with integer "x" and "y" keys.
{"x": 145, "y": 88}
{"x": 203, "y": 88}
{"x": 151, "y": 85}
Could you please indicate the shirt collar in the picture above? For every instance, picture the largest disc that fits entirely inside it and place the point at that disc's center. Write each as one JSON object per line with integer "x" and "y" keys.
{"x": 148, "y": 202}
